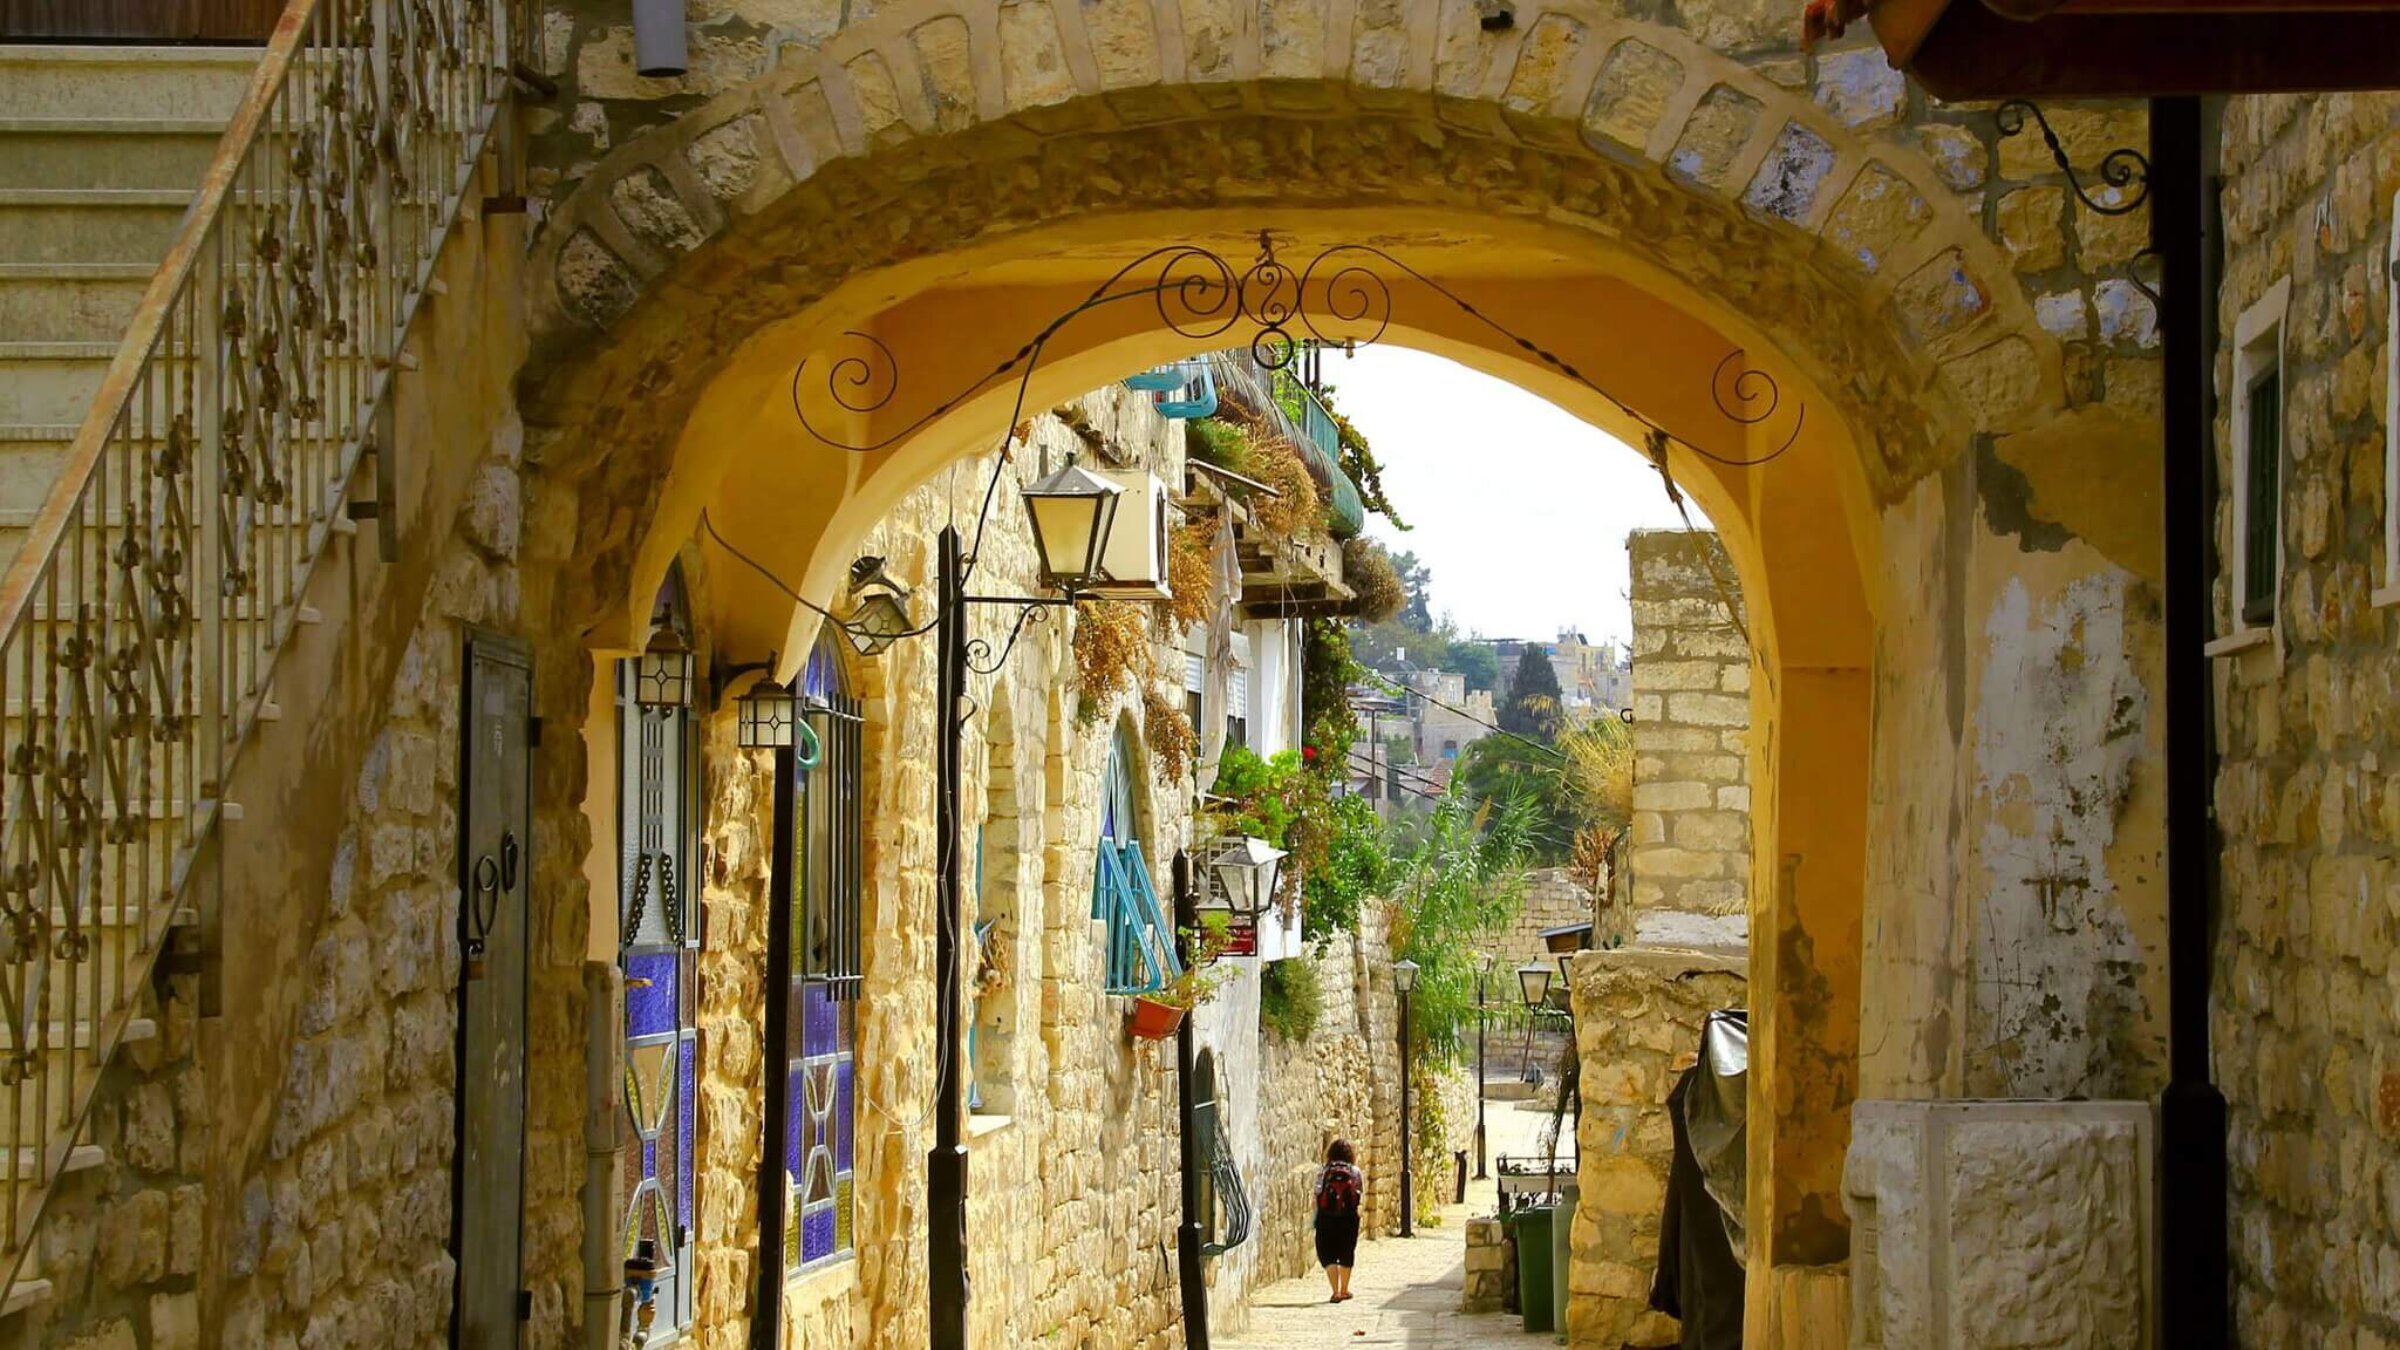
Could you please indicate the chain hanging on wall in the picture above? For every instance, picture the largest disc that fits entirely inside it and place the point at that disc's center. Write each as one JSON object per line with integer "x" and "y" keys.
{"x": 1341, "y": 298}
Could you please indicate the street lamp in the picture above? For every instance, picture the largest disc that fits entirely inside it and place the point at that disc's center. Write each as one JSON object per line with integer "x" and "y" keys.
{"x": 1404, "y": 979}
{"x": 1483, "y": 976}
{"x": 1073, "y": 511}
{"x": 1533, "y": 980}
{"x": 879, "y": 610}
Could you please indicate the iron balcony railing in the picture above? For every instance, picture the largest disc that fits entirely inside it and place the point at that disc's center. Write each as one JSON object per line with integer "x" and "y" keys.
{"x": 142, "y": 613}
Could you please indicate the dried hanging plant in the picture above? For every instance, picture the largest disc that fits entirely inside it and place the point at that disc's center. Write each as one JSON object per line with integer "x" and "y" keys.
{"x": 1188, "y": 572}
{"x": 1173, "y": 742}
{"x": 1113, "y": 653}
{"x": 1295, "y": 506}
{"x": 1369, "y": 573}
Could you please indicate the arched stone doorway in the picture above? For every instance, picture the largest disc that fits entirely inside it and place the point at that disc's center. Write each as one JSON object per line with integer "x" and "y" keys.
{"x": 949, "y": 177}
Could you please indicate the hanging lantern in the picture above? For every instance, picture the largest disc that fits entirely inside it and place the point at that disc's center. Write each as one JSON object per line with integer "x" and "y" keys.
{"x": 1072, "y": 510}
{"x": 879, "y": 612}
{"x": 765, "y": 715}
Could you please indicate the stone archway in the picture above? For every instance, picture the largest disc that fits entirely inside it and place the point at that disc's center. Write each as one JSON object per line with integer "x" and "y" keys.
{"x": 940, "y": 172}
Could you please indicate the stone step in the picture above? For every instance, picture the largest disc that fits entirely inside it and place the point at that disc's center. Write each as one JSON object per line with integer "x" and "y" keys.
{"x": 106, "y": 152}
{"x": 69, "y": 302}
{"x": 183, "y": 83}
{"x": 24, "y": 1294}
{"x": 81, "y": 1158}
{"x": 50, "y": 382}
{"x": 89, "y": 225}
{"x": 59, "y": 1031}
{"x": 21, "y": 1124}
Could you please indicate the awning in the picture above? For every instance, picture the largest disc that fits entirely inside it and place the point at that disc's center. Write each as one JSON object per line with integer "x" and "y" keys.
{"x": 1975, "y": 49}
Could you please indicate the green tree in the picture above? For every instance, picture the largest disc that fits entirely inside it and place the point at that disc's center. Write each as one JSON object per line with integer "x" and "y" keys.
{"x": 1504, "y": 772}
{"x": 1455, "y": 891}
{"x": 1417, "y": 580}
{"x": 1475, "y": 660}
{"x": 1534, "y": 707}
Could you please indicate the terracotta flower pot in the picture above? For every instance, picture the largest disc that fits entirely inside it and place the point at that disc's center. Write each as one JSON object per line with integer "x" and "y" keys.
{"x": 1154, "y": 1021}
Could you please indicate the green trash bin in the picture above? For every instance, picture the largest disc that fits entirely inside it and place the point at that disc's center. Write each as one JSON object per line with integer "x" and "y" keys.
{"x": 1533, "y": 1267}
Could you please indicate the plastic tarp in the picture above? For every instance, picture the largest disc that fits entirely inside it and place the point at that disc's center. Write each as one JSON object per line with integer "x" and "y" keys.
{"x": 1716, "y": 1114}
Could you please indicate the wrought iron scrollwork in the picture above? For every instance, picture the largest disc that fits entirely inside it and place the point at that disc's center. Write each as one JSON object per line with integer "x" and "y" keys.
{"x": 2125, "y": 170}
{"x": 1343, "y": 297}
{"x": 980, "y": 657}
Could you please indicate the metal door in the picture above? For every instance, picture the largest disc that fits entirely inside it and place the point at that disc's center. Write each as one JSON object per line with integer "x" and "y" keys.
{"x": 141, "y": 20}
{"x": 495, "y": 876}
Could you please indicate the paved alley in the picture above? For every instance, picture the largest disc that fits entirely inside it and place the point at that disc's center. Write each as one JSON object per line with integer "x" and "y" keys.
{"x": 1406, "y": 1290}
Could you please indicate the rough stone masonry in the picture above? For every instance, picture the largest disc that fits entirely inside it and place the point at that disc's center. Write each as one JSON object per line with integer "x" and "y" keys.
{"x": 1691, "y": 726}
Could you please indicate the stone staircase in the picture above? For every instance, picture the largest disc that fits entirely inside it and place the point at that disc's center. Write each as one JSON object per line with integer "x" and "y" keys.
{"x": 102, "y": 149}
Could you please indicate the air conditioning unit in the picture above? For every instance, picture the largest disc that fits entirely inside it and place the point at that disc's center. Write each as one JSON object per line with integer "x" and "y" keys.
{"x": 1136, "y": 557}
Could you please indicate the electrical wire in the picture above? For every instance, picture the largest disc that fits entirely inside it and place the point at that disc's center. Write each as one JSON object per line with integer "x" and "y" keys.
{"x": 1495, "y": 728}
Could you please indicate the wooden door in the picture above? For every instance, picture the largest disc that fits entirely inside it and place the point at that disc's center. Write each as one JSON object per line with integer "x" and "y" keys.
{"x": 495, "y": 877}
{"x": 140, "y": 20}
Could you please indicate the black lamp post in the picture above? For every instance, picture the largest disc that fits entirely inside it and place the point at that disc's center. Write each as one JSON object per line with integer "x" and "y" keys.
{"x": 1404, "y": 979}
{"x": 1483, "y": 975}
{"x": 1071, "y": 512}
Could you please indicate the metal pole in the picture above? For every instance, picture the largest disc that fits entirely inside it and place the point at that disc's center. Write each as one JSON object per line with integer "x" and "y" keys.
{"x": 946, "y": 1166}
{"x": 2192, "y": 1164}
{"x": 1480, "y": 1172}
{"x": 1408, "y": 1166}
{"x": 1192, "y": 1275}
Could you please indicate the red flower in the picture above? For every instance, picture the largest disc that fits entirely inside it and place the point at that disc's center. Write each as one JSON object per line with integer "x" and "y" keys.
{"x": 1309, "y": 753}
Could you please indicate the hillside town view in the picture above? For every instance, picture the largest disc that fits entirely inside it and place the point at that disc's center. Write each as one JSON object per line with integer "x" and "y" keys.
{"x": 1199, "y": 674}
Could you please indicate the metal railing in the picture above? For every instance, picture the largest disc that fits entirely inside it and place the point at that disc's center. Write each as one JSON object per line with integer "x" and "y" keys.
{"x": 141, "y": 616}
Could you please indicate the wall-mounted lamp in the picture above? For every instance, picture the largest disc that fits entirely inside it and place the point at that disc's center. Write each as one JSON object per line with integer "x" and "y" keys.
{"x": 765, "y": 716}
{"x": 878, "y": 610}
{"x": 662, "y": 676}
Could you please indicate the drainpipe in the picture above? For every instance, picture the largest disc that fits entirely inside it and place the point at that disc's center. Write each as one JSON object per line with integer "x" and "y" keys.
{"x": 603, "y": 1266}
{"x": 658, "y": 39}
{"x": 1191, "y": 1276}
{"x": 2193, "y": 1227}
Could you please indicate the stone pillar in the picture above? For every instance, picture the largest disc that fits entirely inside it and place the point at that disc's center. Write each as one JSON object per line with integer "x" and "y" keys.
{"x": 1691, "y": 726}
{"x": 1637, "y": 1024}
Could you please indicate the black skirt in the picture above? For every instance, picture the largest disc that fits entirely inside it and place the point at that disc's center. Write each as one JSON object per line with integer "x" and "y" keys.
{"x": 1337, "y": 1239}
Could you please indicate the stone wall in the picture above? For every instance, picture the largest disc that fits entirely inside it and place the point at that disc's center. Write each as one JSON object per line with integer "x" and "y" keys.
{"x": 1637, "y": 1024}
{"x": 2307, "y": 724}
{"x": 1554, "y": 898}
{"x": 1691, "y": 727}
{"x": 1491, "y": 1265}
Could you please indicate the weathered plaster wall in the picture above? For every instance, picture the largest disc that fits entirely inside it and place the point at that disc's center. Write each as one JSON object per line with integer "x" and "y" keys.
{"x": 2307, "y": 798}
{"x": 1691, "y": 726}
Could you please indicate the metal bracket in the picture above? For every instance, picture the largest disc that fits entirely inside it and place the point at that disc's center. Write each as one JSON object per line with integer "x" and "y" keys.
{"x": 2124, "y": 169}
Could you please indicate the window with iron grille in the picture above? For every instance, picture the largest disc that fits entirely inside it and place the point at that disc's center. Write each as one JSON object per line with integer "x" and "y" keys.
{"x": 658, "y": 940}
{"x": 812, "y": 1030}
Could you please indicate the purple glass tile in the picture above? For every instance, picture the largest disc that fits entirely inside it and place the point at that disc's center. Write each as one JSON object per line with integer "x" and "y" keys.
{"x": 844, "y": 1092}
{"x": 650, "y": 1009}
{"x": 649, "y": 1159}
{"x": 816, "y": 1234}
{"x": 687, "y": 1095}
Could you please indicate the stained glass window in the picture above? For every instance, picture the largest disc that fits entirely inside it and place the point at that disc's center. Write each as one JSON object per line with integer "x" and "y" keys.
{"x": 818, "y": 890}
{"x": 658, "y": 936}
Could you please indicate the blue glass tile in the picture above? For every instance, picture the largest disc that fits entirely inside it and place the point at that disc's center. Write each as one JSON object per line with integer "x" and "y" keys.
{"x": 844, "y": 1094}
{"x": 795, "y": 1123}
{"x": 650, "y": 1010}
{"x": 687, "y": 1095}
{"x": 817, "y": 1020}
{"x": 817, "y": 1234}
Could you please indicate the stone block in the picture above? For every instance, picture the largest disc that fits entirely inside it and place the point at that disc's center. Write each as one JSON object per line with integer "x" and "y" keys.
{"x": 1787, "y": 185}
{"x": 2034, "y": 1218}
{"x": 1713, "y": 135}
{"x": 1631, "y": 93}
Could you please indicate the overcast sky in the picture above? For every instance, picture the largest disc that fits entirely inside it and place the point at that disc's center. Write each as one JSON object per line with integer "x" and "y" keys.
{"x": 1520, "y": 509}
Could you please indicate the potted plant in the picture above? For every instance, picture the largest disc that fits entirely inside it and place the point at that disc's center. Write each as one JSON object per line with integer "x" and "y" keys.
{"x": 1158, "y": 1012}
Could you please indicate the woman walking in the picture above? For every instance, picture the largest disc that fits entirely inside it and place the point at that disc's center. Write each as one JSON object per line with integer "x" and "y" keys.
{"x": 1339, "y": 1188}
